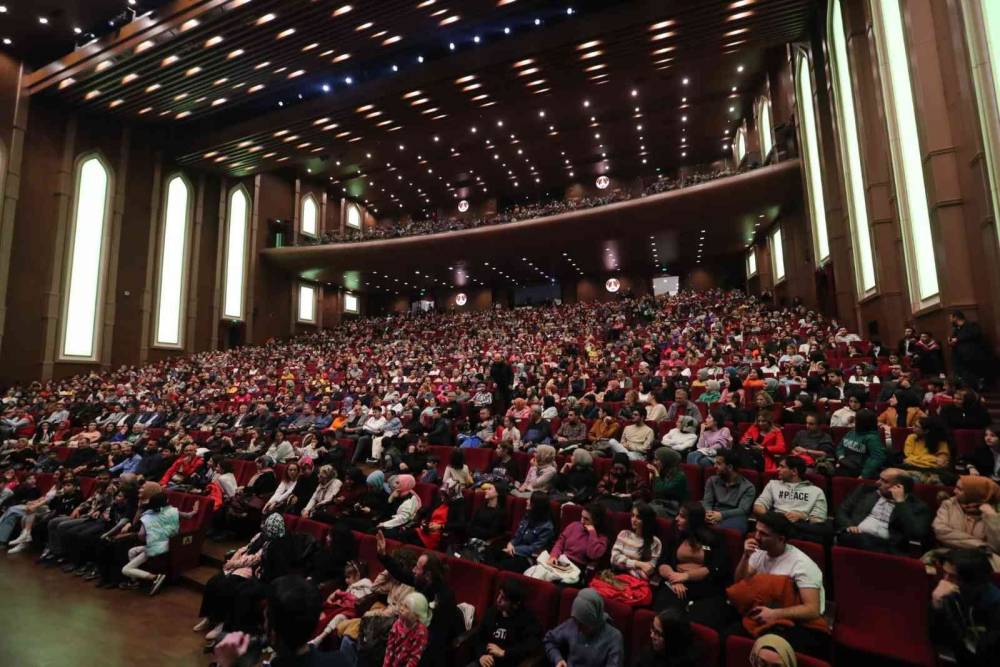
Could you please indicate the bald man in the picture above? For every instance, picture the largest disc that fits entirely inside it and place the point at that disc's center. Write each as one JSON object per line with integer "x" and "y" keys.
{"x": 886, "y": 517}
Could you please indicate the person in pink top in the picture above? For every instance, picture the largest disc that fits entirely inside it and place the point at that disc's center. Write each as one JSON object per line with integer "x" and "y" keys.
{"x": 584, "y": 542}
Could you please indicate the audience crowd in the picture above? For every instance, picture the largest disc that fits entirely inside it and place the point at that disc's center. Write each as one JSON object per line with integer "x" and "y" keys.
{"x": 516, "y": 213}
{"x": 674, "y": 453}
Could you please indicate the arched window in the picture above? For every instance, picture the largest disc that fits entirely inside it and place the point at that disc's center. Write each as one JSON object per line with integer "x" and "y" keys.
{"x": 777, "y": 256}
{"x": 236, "y": 253}
{"x": 310, "y": 215}
{"x": 353, "y": 216}
{"x": 752, "y": 262}
{"x": 850, "y": 150}
{"x": 764, "y": 129}
{"x": 740, "y": 145}
{"x": 982, "y": 29}
{"x": 87, "y": 256}
{"x": 172, "y": 286}
{"x": 307, "y": 303}
{"x": 904, "y": 142}
{"x": 809, "y": 143}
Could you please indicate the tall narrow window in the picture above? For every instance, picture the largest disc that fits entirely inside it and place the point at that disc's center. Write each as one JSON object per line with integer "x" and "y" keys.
{"x": 850, "y": 150}
{"x": 778, "y": 256}
{"x": 809, "y": 141}
{"x": 353, "y": 216}
{"x": 982, "y": 29}
{"x": 310, "y": 215}
{"x": 904, "y": 140}
{"x": 86, "y": 260}
{"x": 764, "y": 129}
{"x": 236, "y": 254}
{"x": 752, "y": 262}
{"x": 307, "y": 304}
{"x": 740, "y": 146}
{"x": 173, "y": 264}
{"x": 350, "y": 303}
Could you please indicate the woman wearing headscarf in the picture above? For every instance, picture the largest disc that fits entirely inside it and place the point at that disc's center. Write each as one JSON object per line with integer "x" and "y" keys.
{"x": 969, "y": 520}
{"x": 404, "y": 504}
{"x": 541, "y": 474}
{"x": 683, "y": 436}
{"x": 772, "y": 650}
{"x": 219, "y": 598}
{"x": 712, "y": 393}
{"x": 668, "y": 481}
{"x": 586, "y": 639}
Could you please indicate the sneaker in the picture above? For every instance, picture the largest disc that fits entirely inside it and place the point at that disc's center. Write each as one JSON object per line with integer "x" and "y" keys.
{"x": 202, "y": 625}
{"x": 18, "y": 548}
{"x": 129, "y": 585}
{"x": 157, "y": 584}
{"x": 92, "y": 574}
{"x": 68, "y": 567}
{"x": 214, "y": 633}
{"x": 81, "y": 571}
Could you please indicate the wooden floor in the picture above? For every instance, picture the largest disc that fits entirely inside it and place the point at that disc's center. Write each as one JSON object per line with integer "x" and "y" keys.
{"x": 52, "y": 619}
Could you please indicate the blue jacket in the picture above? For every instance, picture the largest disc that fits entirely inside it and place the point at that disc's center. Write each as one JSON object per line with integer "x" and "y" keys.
{"x": 566, "y": 642}
{"x": 531, "y": 540}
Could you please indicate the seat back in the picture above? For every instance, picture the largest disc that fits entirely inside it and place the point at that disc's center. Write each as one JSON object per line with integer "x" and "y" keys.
{"x": 877, "y": 595}
{"x": 472, "y": 583}
{"x": 478, "y": 459}
{"x": 842, "y": 487}
{"x": 695, "y": 481}
{"x": 315, "y": 528}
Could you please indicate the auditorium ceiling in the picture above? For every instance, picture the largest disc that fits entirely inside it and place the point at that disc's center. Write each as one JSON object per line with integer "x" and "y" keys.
{"x": 410, "y": 105}
{"x": 663, "y": 233}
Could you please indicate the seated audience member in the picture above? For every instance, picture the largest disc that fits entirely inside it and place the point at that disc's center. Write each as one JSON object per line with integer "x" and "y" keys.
{"x": 509, "y": 633}
{"x": 802, "y": 406}
{"x": 506, "y": 434}
{"x": 327, "y": 488}
{"x": 965, "y": 608}
{"x": 797, "y": 499}
{"x": 712, "y": 393}
{"x": 637, "y": 548}
{"x": 729, "y": 496}
{"x": 582, "y": 543}
{"x": 985, "y": 458}
{"x": 683, "y": 436}
{"x": 694, "y": 568}
{"x": 427, "y": 577}
{"x": 682, "y": 405}
{"x": 504, "y": 471}
{"x": 812, "y": 444}
{"x": 604, "y": 429}
{"x": 538, "y": 431}
{"x": 487, "y": 522}
{"x": 408, "y": 637}
{"x": 763, "y": 404}
{"x": 668, "y": 481}
{"x": 671, "y": 642}
{"x": 969, "y": 520}
{"x": 281, "y": 449}
{"x": 967, "y": 412}
{"x": 436, "y": 521}
{"x": 159, "y": 522}
{"x": 185, "y": 467}
{"x": 844, "y": 416}
{"x": 637, "y": 439}
{"x": 60, "y": 500}
{"x": 541, "y": 473}
{"x": 533, "y": 536}
{"x": 861, "y": 452}
{"x": 414, "y": 461}
{"x": 586, "y": 638}
{"x": 577, "y": 479}
{"x": 341, "y": 604}
{"x": 764, "y": 442}
{"x": 572, "y": 432}
{"x": 927, "y": 452}
{"x": 402, "y": 506}
{"x": 886, "y": 517}
{"x": 773, "y": 651}
{"x": 714, "y": 437}
{"x": 901, "y": 412}
{"x": 767, "y": 551}
{"x": 456, "y": 474}
{"x": 293, "y": 608}
{"x": 620, "y": 486}
{"x": 283, "y": 499}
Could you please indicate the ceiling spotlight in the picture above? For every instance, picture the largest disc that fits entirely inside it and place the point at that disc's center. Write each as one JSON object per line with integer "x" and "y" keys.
{"x": 685, "y": 81}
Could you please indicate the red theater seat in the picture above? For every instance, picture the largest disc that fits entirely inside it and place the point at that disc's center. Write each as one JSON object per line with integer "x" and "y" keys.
{"x": 882, "y": 605}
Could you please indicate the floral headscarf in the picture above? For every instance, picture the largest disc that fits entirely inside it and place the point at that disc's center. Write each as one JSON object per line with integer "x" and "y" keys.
{"x": 274, "y": 526}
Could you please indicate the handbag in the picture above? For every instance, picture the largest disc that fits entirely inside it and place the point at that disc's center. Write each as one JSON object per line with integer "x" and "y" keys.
{"x": 566, "y": 572}
{"x": 623, "y": 588}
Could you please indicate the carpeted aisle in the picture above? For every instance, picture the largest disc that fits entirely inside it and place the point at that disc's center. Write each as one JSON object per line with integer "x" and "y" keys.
{"x": 52, "y": 619}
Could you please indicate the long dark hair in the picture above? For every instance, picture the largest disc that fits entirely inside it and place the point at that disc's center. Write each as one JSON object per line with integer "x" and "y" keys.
{"x": 697, "y": 529}
{"x": 599, "y": 516}
{"x": 540, "y": 511}
{"x": 678, "y": 639}
{"x": 935, "y": 432}
{"x": 648, "y": 518}
{"x": 865, "y": 421}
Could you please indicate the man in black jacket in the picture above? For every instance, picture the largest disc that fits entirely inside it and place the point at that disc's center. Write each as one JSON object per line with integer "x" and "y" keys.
{"x": 509, "y": 633}
{"x": 970, "y": 357}
{"x": 503, "y": 377}
{"x": 886, "y": 517}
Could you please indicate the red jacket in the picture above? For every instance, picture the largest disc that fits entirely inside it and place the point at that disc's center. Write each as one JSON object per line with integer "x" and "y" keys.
{"x": 773, "y": 444}
{"x": 183, "y": 466}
